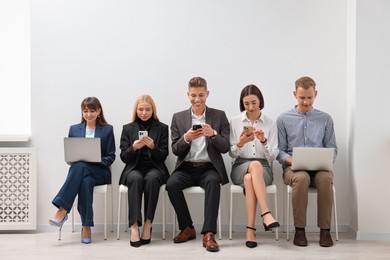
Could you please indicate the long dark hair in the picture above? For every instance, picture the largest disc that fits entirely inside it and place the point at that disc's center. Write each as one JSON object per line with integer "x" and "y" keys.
{"x": 93, "y": 103}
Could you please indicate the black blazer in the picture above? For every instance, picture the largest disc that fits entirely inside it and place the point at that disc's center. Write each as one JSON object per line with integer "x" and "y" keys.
{"x": 159, "y": 133}
{"x": 182, "y": 121}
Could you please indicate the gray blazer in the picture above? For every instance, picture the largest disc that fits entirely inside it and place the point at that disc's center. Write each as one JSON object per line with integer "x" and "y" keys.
{"x": 181, "y": 122}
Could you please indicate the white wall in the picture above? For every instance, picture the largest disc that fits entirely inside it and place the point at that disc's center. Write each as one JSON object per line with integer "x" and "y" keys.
{"x": 372, "y": 140}
{"x": 117, "y": 50}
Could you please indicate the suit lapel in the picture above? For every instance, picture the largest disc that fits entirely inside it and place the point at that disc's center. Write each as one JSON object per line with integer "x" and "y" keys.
{"x": 188, "y": 120}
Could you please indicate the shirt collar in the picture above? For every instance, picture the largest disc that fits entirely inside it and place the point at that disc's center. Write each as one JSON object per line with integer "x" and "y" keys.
{"x": 244, "y": 117}
{"x": 202, "y": 116}
{"x": 302, "y": 113}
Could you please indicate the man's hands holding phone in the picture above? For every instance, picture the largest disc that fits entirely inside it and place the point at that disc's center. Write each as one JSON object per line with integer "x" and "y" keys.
{"x": 197, "y": 131}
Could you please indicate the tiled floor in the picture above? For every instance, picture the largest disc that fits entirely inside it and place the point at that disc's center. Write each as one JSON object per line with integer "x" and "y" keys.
{"x": 44, "y": 245}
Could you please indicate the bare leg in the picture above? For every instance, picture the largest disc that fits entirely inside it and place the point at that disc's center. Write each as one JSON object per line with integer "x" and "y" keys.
{"x": 134, "y": 233}
{"x": 255, "y": 170}
{"x": 251, "y": 203}
{"x": 86, "y": 232}
{"x": 146, "y": 231}
{"x": 60, "y": 214}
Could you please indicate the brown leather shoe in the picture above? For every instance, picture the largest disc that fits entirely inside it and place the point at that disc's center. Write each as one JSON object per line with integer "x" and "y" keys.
{"x": 300, "y": 237}
{"x": 186, "y": 234}
{"x": 209, "y": 242}
{"x": 325, "y": 238}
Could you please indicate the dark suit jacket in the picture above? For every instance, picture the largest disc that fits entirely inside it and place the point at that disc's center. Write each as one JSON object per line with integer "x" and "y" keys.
{"x": 182, "y": 121}
{"x": 159, "y": 133}
{"x": 107, "y": 144}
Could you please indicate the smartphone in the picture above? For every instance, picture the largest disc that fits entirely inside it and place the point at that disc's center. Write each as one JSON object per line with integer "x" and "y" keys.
{"x": 142, "y": 134}
{"x": 248, "y": 129}
{"x": 196, "y": 127}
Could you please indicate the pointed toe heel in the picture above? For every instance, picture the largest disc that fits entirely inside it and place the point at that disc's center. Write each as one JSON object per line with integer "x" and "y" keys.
{"x": 251, "y": 244}
{"x": 55, "y": 223}
{"x": 270, "y": 226}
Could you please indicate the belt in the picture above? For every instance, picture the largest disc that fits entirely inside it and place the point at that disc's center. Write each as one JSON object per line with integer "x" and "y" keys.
{"x": 198, "y": 164}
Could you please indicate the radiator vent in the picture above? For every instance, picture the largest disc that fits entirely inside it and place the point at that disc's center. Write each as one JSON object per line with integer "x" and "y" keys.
{"x": 17, "y": 188}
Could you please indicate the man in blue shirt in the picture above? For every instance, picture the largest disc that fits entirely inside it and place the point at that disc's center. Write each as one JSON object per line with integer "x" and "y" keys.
{"x": 305, "y": 126}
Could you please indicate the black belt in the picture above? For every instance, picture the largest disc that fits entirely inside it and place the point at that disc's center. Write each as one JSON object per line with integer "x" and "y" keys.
{"x": 198, "y": 164}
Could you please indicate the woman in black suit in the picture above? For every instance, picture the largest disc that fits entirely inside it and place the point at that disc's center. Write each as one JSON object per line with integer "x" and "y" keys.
{"x": 144, "y": 148}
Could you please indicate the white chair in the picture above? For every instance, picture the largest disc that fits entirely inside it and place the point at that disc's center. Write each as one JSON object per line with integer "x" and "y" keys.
{"x": 123, "y": 190}
{"x": 311, "y": 191}
{"x": 236, "y": 189}
{"x": 198, "y": 190}
{"x": 101, "y": 189}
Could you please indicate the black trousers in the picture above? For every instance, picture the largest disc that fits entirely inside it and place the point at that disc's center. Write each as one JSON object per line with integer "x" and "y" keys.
{"x": 207, "y": 178}
{"x": 140, "y": 182}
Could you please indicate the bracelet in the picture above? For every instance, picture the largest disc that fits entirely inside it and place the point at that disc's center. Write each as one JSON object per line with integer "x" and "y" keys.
{"x": 264, "y": 141}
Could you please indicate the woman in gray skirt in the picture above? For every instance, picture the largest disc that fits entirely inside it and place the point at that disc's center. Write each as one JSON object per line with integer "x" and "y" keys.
{"x": 253, "y": 145}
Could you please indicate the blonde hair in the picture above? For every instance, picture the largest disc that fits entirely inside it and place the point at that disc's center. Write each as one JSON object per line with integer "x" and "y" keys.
{"x": 148, "y": 99}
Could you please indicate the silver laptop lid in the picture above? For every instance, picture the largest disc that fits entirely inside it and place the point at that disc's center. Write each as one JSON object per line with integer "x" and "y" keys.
{"x": 82, "y": 149}
{"x": 312, "y": 158}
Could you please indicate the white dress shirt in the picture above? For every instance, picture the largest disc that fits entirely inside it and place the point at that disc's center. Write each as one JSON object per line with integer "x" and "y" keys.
{"x": 254, "y": 149}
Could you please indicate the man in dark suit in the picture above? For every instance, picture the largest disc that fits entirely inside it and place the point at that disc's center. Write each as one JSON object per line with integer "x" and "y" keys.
{"x": 199, "y": 137}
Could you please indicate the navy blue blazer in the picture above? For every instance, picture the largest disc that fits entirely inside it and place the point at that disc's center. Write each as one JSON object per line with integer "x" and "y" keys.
{"x": 107, "y": 144}
{"x": 159, "y": 133}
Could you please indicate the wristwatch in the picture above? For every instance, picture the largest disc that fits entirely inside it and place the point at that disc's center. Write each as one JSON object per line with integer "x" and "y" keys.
{"x": 214, "y": 135}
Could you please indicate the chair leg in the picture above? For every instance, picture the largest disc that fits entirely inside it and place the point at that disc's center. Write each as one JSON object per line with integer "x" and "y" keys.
{"x": 276, "y": 215}
{"x": 173, "y": 224}
{"x": 119, "y": 216}
{"x": 219, "y": 220}
{"x": 112, "y": 210}
{"x": 163, "y": 217}
{"x": 288, "y": 214}
{"x": 105, "y": 215}
{"x": 72, "y": 218}
{"x": 231, "y": 216}
{"x": 335, "y": 214}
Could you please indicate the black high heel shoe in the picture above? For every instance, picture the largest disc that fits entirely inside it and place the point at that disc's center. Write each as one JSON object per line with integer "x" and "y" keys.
{"x": 135, "y": 243}
{"x": 270, "y": 226}
{"x": 147, "y": 241}
{"x": 251, "y": 244}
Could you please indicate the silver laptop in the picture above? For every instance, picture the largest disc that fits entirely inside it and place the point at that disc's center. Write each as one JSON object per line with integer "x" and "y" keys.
{"x": 82, "y": 149}
{"x": 312, "y": 159}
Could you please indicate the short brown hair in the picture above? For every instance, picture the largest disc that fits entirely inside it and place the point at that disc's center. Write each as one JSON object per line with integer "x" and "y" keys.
{"x": 197, "y": 82}
{"x": 305, "y": 82}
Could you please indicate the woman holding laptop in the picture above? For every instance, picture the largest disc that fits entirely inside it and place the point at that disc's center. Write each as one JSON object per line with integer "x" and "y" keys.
{"x": 144, "y": 148}
{"x": 83, "y": 176}
{"x": 253, "y": 145}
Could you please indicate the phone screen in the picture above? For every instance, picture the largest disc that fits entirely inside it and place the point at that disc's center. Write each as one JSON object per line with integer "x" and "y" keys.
{"x": 196, "y": 127}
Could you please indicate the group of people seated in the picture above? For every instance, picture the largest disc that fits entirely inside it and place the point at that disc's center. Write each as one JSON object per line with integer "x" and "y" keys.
{"x": 200, "y": 135}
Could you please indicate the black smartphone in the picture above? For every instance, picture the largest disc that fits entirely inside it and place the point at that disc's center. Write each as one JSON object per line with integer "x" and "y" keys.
{"x": 196, "y": 127}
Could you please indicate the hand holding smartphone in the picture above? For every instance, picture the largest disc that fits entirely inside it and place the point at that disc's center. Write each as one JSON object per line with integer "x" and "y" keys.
{"x": 142, "y": 134}
{"x": 196, "y": 127}
{"x": 248, "y": 130}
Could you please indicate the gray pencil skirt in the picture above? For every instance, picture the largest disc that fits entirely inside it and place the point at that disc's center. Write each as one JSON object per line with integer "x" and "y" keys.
{"x": 240, "y": 168}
